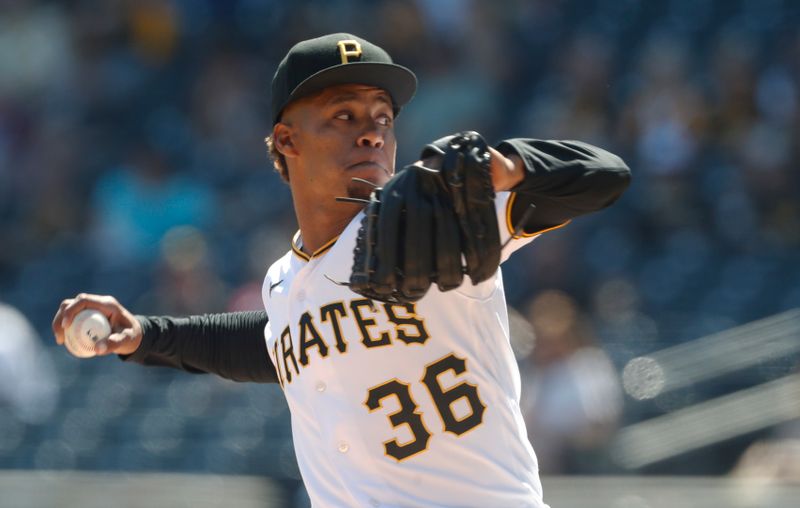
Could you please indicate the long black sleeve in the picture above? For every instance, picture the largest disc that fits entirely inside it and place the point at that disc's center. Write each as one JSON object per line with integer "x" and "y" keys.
{"x": 230, "y": 345}
{"x": 563, "y": 179}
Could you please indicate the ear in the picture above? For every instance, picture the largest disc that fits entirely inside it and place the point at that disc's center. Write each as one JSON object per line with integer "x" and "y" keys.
{"x": 282, "y": 138}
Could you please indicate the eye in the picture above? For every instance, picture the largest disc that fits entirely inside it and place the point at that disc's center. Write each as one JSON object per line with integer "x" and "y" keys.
{"x": 344, "y": 115}
{"x": 385, "y": 120}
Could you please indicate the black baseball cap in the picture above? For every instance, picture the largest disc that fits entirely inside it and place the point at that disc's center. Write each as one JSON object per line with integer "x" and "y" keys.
{"x": 338, "y": 59}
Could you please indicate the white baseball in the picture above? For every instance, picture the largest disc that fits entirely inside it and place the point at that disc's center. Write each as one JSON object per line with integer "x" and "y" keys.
{"x": 88, "y": 327}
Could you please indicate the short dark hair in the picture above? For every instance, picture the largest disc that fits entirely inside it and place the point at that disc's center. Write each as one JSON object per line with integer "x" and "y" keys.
{"x": 278, "y": 160}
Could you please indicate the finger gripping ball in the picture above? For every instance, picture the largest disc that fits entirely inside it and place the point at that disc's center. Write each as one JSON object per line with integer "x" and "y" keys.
{"x": 88, "y": 327}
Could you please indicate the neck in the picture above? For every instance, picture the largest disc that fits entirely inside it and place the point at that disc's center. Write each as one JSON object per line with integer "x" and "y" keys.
{"x": 319, "y": 224}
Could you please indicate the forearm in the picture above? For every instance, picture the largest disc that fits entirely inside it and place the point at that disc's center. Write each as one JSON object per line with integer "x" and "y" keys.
{"x": 563, "y": 180}
{"x": 230, "y": 345}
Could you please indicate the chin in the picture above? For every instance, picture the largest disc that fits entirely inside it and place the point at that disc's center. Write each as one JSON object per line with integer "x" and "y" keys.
{"x": 360, "y": 190}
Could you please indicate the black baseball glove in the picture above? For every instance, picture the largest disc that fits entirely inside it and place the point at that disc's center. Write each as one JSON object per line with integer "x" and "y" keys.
{"x": 430, "y": 226}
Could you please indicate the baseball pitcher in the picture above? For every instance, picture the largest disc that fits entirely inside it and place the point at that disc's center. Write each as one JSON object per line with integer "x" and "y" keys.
{"x": 387, "y": 328}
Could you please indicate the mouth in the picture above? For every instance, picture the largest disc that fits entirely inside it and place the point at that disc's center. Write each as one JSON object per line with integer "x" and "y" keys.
{"x": 358, "y": 166}
{"x": 365, "y": 164}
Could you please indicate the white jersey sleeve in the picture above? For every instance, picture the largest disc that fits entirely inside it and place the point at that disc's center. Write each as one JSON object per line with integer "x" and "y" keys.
{"x": 511, "y": 241}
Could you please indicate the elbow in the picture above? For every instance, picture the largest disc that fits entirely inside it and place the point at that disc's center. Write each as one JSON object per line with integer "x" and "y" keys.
{"x": 617, "y": 178}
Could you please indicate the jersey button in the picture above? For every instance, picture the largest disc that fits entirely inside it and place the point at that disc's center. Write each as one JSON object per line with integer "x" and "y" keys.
{"x": 321, "y": 386}
{"x": 343, "y": 447}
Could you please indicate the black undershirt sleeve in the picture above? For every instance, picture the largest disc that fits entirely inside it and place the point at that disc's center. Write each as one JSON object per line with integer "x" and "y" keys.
{"x": 230, "y": 345}
{"x": 563, "y": 179}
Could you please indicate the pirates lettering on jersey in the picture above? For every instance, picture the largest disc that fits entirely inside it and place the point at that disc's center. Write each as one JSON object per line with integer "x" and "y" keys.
{"x": 277, "y": 362}
{"x": 288, "y": 352}
{"x": 306, "y": 329}
{"x": 334, "y": 312}
{"x": 411, "y": 320}
{"x": 323, "y": 331}
{"x": 365, "y": 323}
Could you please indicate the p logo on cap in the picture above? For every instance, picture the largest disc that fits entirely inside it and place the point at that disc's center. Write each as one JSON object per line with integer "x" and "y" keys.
{"x": 338, "y": 59}
{"x": 349, "y": 48}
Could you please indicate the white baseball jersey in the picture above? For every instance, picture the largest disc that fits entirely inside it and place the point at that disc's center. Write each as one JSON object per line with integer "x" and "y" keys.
{"x": 399, "y": 405}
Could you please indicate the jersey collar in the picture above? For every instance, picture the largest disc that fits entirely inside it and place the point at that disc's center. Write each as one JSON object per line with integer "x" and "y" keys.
{"x": 297, "y": 247}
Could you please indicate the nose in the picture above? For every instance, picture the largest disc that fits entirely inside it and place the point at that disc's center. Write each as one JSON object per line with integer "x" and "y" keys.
{"x": 371, "y": 137}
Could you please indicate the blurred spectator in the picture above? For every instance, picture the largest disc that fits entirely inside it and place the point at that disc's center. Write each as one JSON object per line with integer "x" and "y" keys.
{"x": 776, "y": 459}
{"x": 27, "y": 378}
{"x": 571, "y": 397}
{"x": 773, "y": 461}
{"x": 666, "y": 114}
{"x": 135, "y": 205}
{"x": 184, "y": 282}
{"x": 35, "y": 46}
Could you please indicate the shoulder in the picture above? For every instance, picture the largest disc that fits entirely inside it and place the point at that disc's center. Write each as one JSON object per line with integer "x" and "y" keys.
{"x": 281, "y": 266}
{"x": 277, "y": 273}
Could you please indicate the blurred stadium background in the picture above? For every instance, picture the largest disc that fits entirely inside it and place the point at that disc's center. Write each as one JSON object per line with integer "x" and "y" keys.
{"x": 132, "y": 163}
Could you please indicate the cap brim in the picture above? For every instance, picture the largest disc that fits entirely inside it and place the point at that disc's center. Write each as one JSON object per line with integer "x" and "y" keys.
{"x": 399, "y": 81}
